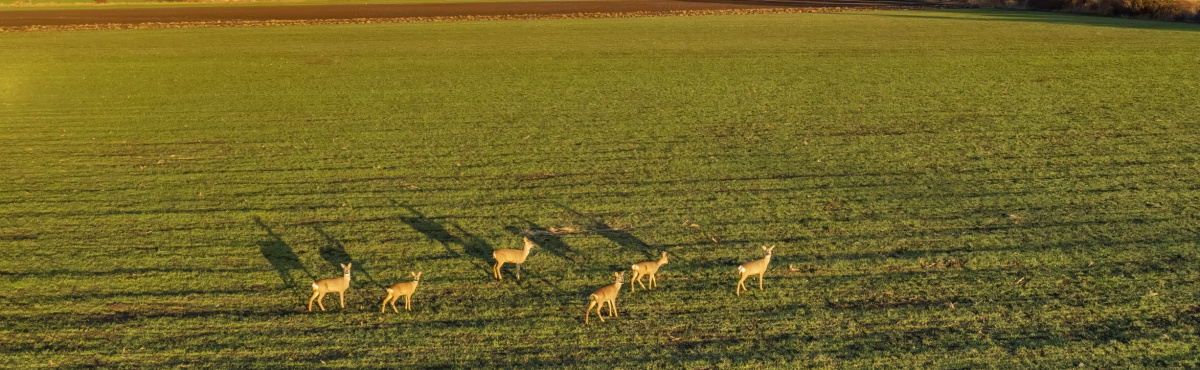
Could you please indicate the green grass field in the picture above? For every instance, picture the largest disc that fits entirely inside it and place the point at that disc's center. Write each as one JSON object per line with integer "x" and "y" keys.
{"x": 168, "y": 195}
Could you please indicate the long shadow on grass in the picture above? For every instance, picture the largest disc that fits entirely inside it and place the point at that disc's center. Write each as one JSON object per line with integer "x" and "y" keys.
{"x": 475, "y": 246}
{"x": 623, "y": 238}
{"x": 335, "y": 253}
{"x": 280, "y": 254}
{"x": 546, "y": 240}
{"x": 430, "y": 228}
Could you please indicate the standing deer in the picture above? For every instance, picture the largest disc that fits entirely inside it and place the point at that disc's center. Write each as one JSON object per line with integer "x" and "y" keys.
{"x": 516, "y": 256}
{"x": 398, "y": 290}
{"x": 334, "y": 285}
{"x": 604, "y": 295}
{"x": 641, "y": 269}
{"x": 758, "y": 267}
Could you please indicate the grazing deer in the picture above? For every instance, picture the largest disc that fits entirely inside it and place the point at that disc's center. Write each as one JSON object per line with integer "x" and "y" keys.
{"x": 604, "y": 295}
{"x": 758, "y": 267}
{"x": 642, "y": 269}
{"x": 516, "y": 256}
{"x": 334, "y": 285}
{"x": 398, "y": 290}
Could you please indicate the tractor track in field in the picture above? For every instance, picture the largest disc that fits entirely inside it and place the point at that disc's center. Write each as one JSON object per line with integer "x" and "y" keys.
{"x": 268, "y": 15}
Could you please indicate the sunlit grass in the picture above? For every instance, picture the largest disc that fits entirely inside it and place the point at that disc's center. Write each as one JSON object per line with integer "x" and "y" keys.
{"x": 953, "y": 189}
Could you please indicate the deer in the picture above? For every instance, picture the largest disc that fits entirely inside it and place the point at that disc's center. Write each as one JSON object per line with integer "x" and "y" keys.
{"x": 398, "y": 290}
{"x": 334, "y": 285}
{"x": 604, "y": 295}
{"x": 516, "y": 256}
{"x": 642, "y": 269}
{"x": 758, "y": 267}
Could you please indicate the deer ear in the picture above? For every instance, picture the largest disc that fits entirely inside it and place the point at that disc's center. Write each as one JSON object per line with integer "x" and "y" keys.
{"x": 413, "y": 274}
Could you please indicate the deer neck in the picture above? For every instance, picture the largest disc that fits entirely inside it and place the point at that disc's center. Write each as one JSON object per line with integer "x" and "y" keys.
{"x": 346, "y": 278}
{"x": 767, "y": 259}
{"x": 525, "y": 251}
{"x": 662, "y": 261}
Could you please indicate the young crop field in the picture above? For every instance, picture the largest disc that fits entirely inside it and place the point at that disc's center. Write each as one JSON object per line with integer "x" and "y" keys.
{"x": 970, "y": 188}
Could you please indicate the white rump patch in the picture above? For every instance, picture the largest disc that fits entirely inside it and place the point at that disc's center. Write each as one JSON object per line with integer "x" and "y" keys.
{"x": 315, "y": 286}
{"x": 390, "y": 290}
{"x": 741, "y": 269}
{"x": 635, "y": 267}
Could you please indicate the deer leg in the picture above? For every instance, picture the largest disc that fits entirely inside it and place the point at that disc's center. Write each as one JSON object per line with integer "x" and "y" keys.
{"x": 588, "y": 313}
{"x": 321, "y": 301}
{"x": 612, "y": 305}
{"x": 638, "y": 280}
{"x": 518, "y": 271}
{"x": 342, "y": 298}
{"x": 408, "y": 303}
{"x": 394, "y": 299}
{"x": 760, "y": 278}
{"x": 652, "y": 283}
{"x": 741, "y": 284}
{"x": 310, "y": 300}
{"x": 383, "y": 307}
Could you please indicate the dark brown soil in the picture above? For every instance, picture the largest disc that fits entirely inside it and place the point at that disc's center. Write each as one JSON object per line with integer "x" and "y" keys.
{"x": 74, "y": 17}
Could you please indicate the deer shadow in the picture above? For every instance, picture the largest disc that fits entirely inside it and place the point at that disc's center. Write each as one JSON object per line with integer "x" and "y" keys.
{"x": 279, "y": 253}
{"x": 550, "y": 242}
{"x": 623, "y": 238}
{"x": 334, "y": 252}
{"x": 475, "y": 246}
{"x": 430, "y": 228}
